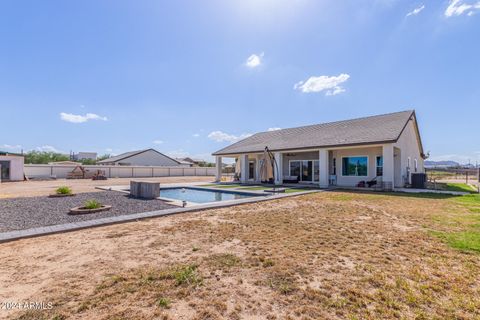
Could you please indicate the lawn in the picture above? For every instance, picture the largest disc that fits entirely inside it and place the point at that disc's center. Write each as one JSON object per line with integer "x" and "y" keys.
{"x": 462, "y": 187}
{"x": 329, "y": 255}
{"x": 222, "y": 186}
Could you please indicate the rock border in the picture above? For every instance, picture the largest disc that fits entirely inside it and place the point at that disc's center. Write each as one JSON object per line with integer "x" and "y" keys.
{"x": 60, "y": 195}
{"x": 83, "y": 210}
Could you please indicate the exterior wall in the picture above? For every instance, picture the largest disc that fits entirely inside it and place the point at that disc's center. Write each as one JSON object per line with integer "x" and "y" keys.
{"x": 16, "y": 167}
{"x": 149, "y": 158}
{"x": 409, "y": 148}
{"x": 59, "y": 171}
{"x": 351, "y": 181}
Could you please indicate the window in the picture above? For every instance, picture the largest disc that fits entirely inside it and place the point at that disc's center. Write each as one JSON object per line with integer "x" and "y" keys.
{"x": 316, "y": 170}
{"x": 334, "y": 166}
{"x": 379, "y": 166}
{"x": 416, "y": 164}
{"x": 251, "y": 170}
{"x": 295, "y": 168}
{"x": 355, "y": 166}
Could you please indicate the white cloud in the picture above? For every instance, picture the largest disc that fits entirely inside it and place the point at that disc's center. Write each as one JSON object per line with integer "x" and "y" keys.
{"x": 11, "y": 147}
{"x": 274, "y": 129}
{"x": 157, "y": 141}
{"x": 254, "y": 60}
{"x": 196, "y": 135}
{"x": 220, "y": 136}
{"x": 416, "y": 11}
{"x": 322, "y": 83}
{"x": 48, "y": 148}
{"x": 458, "y": 7}
{"x": 77, "y": 118}
{"x": 109, "y": 150}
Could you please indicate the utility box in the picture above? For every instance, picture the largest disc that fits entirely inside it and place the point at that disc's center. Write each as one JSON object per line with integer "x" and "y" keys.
{"x": 145, "y": 190}
{"x": 419, "y": 180}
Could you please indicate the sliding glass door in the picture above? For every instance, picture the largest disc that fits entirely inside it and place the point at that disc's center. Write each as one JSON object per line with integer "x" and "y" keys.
{"x": 306, "y": 170}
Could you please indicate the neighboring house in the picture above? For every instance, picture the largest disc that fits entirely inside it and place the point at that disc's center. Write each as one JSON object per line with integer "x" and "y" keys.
{"x": 190, "y": 161}
{"x": 184, "y": 163}
{"x": 85, "y": 156}
{"x": 11, "y": 166}
{"x": 385, "y": 147}
{"x": 147, "y": 157}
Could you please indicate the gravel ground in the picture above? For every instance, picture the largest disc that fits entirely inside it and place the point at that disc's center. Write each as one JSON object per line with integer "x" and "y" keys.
{"x": 26, "y": 213}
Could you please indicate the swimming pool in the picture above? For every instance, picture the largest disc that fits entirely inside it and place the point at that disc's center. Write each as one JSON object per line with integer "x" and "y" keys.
{"x": 202, "y": 196}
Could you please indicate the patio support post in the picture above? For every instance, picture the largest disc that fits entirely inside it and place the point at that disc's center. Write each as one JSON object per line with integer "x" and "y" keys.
{"x": 218, "y": 169}
{"x": 388, "y": 165}
{"x": 278, "y": 172}
{"x": 243, "y": 168}
{"x": 323, "y": 168}
{"x": 258, "y": 157}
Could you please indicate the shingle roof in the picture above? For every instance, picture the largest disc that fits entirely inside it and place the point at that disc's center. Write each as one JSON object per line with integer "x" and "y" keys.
{"x": 368, "y": 130}
{"x": 130, "y": 154}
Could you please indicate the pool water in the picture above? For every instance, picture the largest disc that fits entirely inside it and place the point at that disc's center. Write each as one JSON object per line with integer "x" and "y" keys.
{"x": 201, "y": 196}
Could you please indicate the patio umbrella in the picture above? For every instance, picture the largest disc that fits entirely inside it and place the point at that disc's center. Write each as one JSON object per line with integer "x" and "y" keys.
{"x": 266, "y": 170}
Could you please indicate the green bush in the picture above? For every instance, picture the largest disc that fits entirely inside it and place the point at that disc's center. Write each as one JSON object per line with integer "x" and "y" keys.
{"x": 92, "y": 204}
{"x": 63, "y": 190}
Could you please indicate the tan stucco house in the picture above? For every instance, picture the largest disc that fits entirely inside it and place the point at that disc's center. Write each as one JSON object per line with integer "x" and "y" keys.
{"x": 11, "y": 166}
{"x": 385, "y": 148}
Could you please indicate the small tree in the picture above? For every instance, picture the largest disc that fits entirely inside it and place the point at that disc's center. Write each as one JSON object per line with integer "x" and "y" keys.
{"x": 43, "y": 157}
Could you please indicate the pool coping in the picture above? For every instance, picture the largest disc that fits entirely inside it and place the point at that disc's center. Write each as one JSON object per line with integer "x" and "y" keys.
{"x": 74, "y": 226}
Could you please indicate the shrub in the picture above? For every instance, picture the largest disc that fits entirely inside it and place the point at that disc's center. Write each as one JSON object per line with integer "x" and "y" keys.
{"x": 164, "y": 303}
{"x": 92, "y": 204}
{"x": 63, "y": 190}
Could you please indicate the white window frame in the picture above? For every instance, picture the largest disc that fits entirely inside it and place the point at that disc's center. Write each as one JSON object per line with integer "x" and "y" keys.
{"x": 377, "y": 166}
{"x": 254, "y": 170}
{"x": 415, "y": 163}
{"x": 362, "y": 156}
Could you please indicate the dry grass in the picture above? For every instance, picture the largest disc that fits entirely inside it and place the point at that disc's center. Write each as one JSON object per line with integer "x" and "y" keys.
{"x": 318, "y": 256}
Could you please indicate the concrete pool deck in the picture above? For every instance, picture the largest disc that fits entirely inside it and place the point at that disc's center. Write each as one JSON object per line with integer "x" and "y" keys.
{"x": 60, "y": 228}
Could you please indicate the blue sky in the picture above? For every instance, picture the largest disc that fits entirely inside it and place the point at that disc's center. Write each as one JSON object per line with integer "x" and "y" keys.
{"x": 189, "y": 77}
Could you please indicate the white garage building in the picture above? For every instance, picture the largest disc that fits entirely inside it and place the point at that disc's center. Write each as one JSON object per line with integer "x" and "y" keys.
{"x": 11, "y": 166}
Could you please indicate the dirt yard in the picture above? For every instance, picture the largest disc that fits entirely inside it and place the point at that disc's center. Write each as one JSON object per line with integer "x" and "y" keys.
{"x": 331, "y": 255}
{"x": 44, "y": 188}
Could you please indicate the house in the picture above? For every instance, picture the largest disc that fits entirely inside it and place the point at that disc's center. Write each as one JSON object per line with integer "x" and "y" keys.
{"x": 190, "y": 161}
{"x": 184, "y": 162}
{"x": 387, "y": 148}
{"x": 146, "y": 157}
{"x": 84, "y": 156}
{"x": 11, "y": 166}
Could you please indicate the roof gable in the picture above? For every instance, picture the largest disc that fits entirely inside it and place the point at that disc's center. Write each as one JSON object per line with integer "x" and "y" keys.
{"x": 130, "y": 154}
{"x": 368, "y": 130}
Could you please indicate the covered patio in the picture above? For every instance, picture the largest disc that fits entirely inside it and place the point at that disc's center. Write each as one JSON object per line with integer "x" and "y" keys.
{"x": 377, "y": 165}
